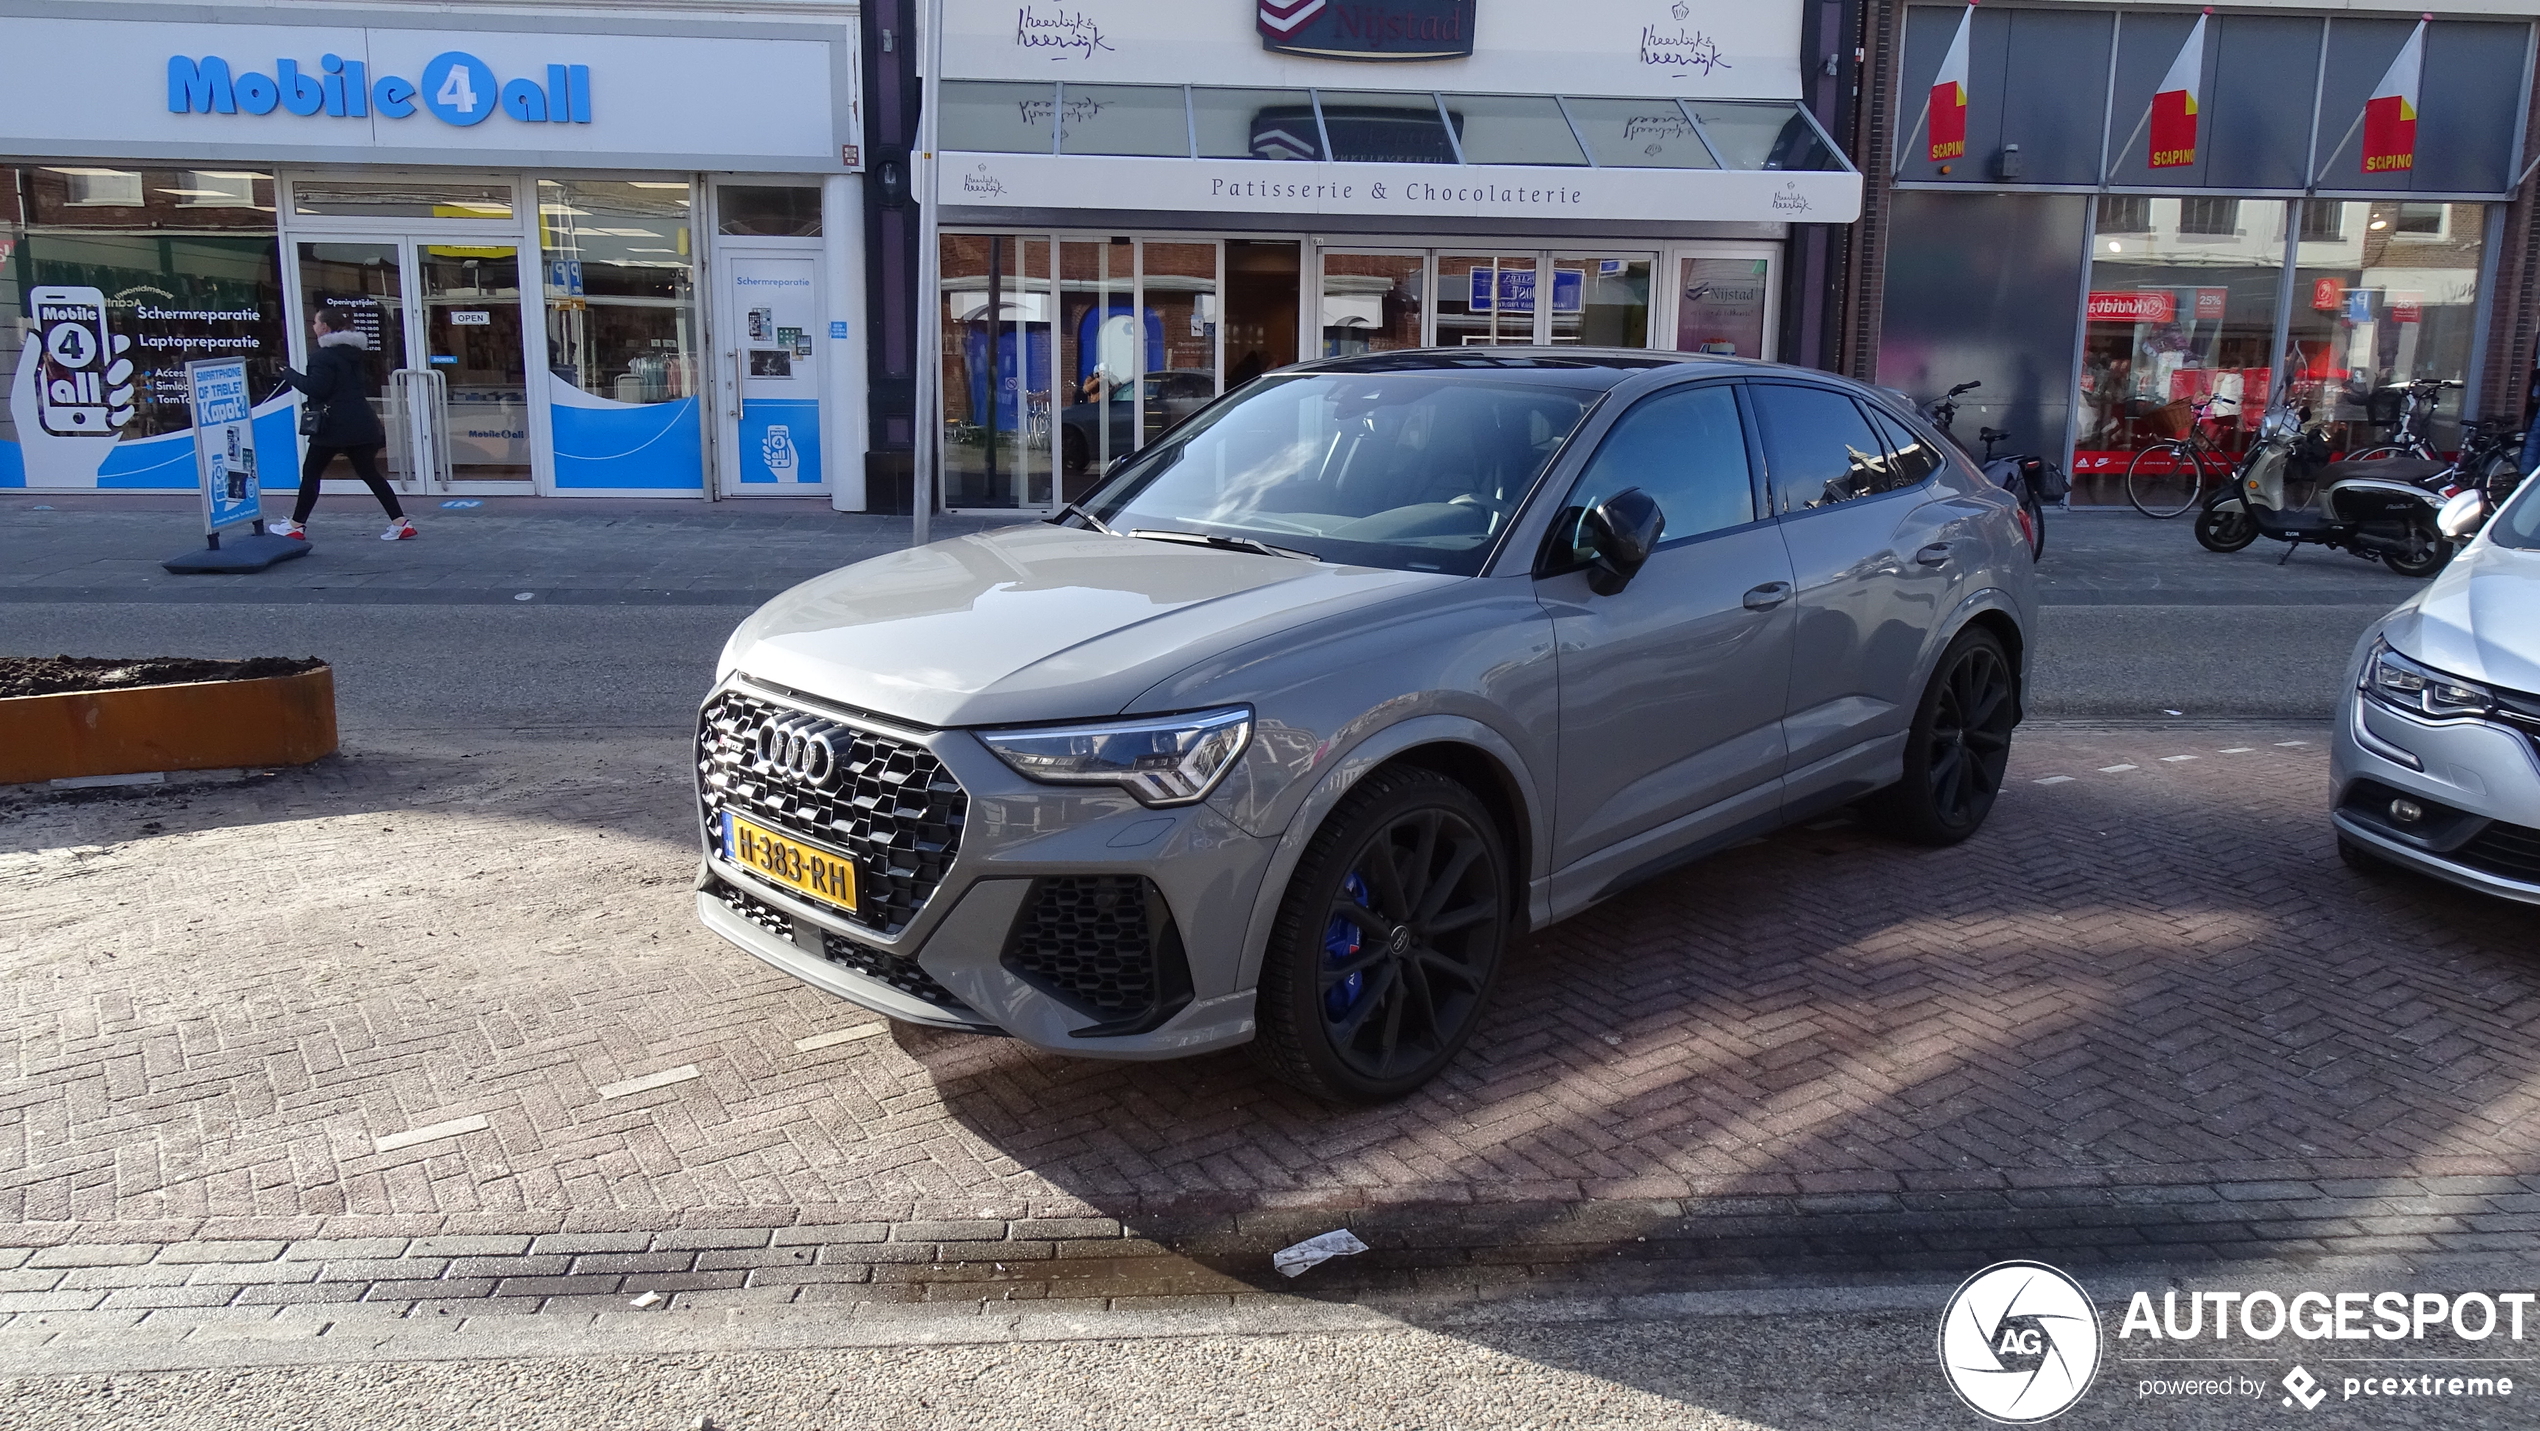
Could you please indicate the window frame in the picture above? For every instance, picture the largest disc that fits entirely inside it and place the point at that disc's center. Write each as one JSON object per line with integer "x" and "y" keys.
{"x": 1552, "y": 560}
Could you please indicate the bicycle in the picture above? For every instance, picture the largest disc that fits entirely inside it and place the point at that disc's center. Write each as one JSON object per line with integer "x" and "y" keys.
{"x": 2028, "y": 478}
{"x": 2410, "y": 439}
{"x": 2153, "y": 486}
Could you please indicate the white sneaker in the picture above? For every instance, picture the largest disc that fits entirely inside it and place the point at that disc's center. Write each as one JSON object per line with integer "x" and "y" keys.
{"x": 287, "y": 528}
{"x": 400, "y": 530}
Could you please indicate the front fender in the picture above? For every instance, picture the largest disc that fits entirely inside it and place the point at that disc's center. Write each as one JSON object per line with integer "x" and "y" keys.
{"x": 1356, "y": 764}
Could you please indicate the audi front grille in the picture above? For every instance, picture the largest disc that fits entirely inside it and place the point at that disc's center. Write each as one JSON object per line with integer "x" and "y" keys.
{"x": 887, "y": 804}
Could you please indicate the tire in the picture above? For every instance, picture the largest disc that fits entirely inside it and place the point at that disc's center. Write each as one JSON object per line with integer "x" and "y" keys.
{"x": 2157, "y": 493}
{"x": 1388, "y": 942}
{"x": 2036, "y": 525}
{"x": 1958, "y": 748}
{"x": 2433, "y": 553}
{"x": 2225, "y": 528}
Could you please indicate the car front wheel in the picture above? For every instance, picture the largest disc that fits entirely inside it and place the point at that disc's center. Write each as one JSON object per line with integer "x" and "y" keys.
{"x": 1388, "y": 942}
{"x": 1958, "y": 748}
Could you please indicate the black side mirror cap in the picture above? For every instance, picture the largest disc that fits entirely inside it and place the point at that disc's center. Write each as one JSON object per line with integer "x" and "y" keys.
{"x": 1622, "y": 531}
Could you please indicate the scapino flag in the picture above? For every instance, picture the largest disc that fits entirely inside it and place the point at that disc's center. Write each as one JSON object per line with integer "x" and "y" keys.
{"x": 1949, "y": 97}
{"x": 2174, "y": 104}
{"x": 2390, "y": 116}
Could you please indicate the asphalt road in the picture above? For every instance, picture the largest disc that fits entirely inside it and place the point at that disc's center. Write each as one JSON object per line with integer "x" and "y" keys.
{"x": 2138, "y": 622}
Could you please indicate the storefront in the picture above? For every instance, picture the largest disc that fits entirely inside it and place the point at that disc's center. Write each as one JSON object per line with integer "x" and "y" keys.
{"x": 2130, "y": 225}
{"x": 1338, "y": 179}
{"x": 592, "y": 254}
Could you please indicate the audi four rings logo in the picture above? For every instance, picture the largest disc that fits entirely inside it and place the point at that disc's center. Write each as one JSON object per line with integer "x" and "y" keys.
{"x": 2019, "y": 1342}
{"x": 804, "y": 749}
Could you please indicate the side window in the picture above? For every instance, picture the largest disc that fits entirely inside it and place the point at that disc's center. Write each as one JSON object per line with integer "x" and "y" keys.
{"x": 1916, "y": 456}
{"x": 1687, "y": 449}
{"x": 1818, "y": 447}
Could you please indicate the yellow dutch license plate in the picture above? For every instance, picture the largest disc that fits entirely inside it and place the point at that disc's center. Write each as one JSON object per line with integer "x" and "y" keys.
{"x": 804, "y": 868}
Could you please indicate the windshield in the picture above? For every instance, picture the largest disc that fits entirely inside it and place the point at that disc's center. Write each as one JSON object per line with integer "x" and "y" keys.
{"x": 2518, "y": 525}
{"x": 1413, "y": 471}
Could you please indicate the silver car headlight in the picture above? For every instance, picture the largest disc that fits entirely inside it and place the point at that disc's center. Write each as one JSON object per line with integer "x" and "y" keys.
{"x": 2421, "y": 690}
{"x": 1162, "y": 760}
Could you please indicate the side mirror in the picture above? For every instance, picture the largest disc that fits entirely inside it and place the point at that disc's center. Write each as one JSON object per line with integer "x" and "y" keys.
{"x": 1621, "y": 532}
{"x": 2462, "y": 516}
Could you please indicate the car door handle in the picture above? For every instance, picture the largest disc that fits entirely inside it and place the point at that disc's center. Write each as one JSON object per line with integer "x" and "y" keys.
{"x": 1937, "y": 554}
{"x": 1768, "y": 596}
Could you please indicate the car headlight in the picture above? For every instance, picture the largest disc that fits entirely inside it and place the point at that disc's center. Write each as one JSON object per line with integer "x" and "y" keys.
{"x": 1162, "y": 760}
{"x": 2396, "y": 681}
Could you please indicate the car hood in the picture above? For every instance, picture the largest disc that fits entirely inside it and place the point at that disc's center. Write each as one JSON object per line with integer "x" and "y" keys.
{"x": 1033, "y": 623}
{"x": 2480, "y": 619}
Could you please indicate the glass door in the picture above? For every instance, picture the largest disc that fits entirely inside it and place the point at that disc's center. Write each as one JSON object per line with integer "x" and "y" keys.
{"x": 365, "y": 280}
{"x": 1098, "y": 358}
{"x": 470, "y": 323}
{"x": 1600, "y": 300}
{"x": 1177, "y": 288}
{"x": 1486, "y": 301}
{"x": 1373, "y": 302}
{"x": 996, "y": 311}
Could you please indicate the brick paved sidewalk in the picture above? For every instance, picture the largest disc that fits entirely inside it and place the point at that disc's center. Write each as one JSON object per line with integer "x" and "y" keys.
{"x": 431, "y": 990}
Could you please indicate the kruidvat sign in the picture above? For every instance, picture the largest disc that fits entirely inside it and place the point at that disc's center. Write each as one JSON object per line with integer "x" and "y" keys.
{"x": 1367, "y": 29}
{"x": 454, "y": 86}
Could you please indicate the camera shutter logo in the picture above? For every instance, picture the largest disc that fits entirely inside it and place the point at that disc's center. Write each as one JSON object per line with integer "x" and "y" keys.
{"x": 2020, "y": 1342}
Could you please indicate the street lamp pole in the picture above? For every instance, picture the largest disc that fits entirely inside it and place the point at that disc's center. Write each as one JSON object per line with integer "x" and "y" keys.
{"x": 930, "y": 332}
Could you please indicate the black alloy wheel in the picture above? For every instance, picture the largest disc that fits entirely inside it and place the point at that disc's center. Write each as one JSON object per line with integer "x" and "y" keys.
{"x": 1958, "y": 748}
{"x": 1389, "y": 940}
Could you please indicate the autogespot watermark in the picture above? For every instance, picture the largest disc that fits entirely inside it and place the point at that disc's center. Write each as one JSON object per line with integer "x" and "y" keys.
{"x": 2020, "y": 1342}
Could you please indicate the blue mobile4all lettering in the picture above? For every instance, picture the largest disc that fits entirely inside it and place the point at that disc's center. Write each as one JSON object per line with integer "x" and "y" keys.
{"x": 456, "y": 87}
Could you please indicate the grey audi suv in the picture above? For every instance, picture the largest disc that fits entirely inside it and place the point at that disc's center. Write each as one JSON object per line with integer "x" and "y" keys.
{"x": 1287, "y": 730}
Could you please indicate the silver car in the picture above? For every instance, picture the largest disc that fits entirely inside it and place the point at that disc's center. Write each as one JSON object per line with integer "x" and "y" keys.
{"x": 1320, "y": 700}
{"x": 2437, "y": 756}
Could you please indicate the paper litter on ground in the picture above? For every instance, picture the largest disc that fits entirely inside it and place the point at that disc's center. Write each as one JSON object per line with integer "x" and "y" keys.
{"x": 1341, "y": 1242}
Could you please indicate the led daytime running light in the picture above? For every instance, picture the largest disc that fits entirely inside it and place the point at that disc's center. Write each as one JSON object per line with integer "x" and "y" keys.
{"x": 1165, "y": 760}
{"x": 2420, "y": 690}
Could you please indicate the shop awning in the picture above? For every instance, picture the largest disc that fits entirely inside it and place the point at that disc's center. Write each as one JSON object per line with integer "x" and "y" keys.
{"x": 1448, "y": 157}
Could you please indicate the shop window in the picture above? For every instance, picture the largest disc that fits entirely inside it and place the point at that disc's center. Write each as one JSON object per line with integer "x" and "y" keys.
{"x": 620, "y": 287}
{"x": 2209, "y": 218}
{"x": 416, "y": 199}
{"x": 1372, "y": 302}
{"x": 1514, "y": 129}
{"x": 1762, "y": 136}
{"x": 1134, "y": 119}
{"x": 2125, "y": 214}
{"x": 1376, "y": 128}
{"x": 1600, "y": 302}
{"x": 101, "y": 188}
{"x": 173, "y": 290}
{"x": 69, "y": 196}
{"x": 767, "y": 210}
{"x": 2177, "y": 318}
{"x": 991, "y": 117}
{"x": 2380, "y": 310}
{"x": 1720, "y": 306}
{"x": 1256, "y": 124}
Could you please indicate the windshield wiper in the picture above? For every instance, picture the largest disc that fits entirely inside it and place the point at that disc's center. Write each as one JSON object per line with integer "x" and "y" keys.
{"x": 1077, "y": 509}
{"x": 1230, "y": 544}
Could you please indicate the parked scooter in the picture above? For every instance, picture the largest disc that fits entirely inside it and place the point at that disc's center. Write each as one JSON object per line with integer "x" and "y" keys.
{"x": 2032, "y": 479}
{"x": 2357, "y": 510}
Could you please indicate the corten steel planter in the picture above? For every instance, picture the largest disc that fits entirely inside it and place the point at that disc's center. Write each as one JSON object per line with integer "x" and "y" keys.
{"x": 200, "y": 725}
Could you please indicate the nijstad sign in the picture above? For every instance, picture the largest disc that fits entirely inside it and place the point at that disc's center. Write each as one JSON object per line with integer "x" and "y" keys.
{"x": 455, "y": 87}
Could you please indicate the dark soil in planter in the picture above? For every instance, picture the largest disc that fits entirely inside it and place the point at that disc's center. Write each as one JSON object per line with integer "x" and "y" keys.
{"x": 57, "y": 675}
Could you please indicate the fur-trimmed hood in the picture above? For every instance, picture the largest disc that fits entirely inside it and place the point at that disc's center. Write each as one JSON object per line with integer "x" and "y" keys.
{"x": 349, "y": 338}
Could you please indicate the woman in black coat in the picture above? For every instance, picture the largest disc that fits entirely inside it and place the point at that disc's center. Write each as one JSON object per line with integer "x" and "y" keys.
{"x": 338, "y": 382}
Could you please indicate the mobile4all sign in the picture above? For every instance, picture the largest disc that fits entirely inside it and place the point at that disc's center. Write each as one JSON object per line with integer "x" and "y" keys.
{"x": 454, "y": 87}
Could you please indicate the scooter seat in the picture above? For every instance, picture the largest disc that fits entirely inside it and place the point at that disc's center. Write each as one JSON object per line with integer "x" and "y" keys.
{"x": 2388, "y": 469}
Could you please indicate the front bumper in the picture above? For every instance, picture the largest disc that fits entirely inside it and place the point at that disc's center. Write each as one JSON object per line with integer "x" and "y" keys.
{"x": 2478, "y": 781}
{"x": 964, "y": 958}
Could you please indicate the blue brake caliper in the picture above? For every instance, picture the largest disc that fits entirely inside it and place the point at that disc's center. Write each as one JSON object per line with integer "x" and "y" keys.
{"x": 1341, "y": 942}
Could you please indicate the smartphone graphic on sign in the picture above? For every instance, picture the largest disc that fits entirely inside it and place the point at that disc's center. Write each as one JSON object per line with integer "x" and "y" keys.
{"x": 70, "y": 389}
